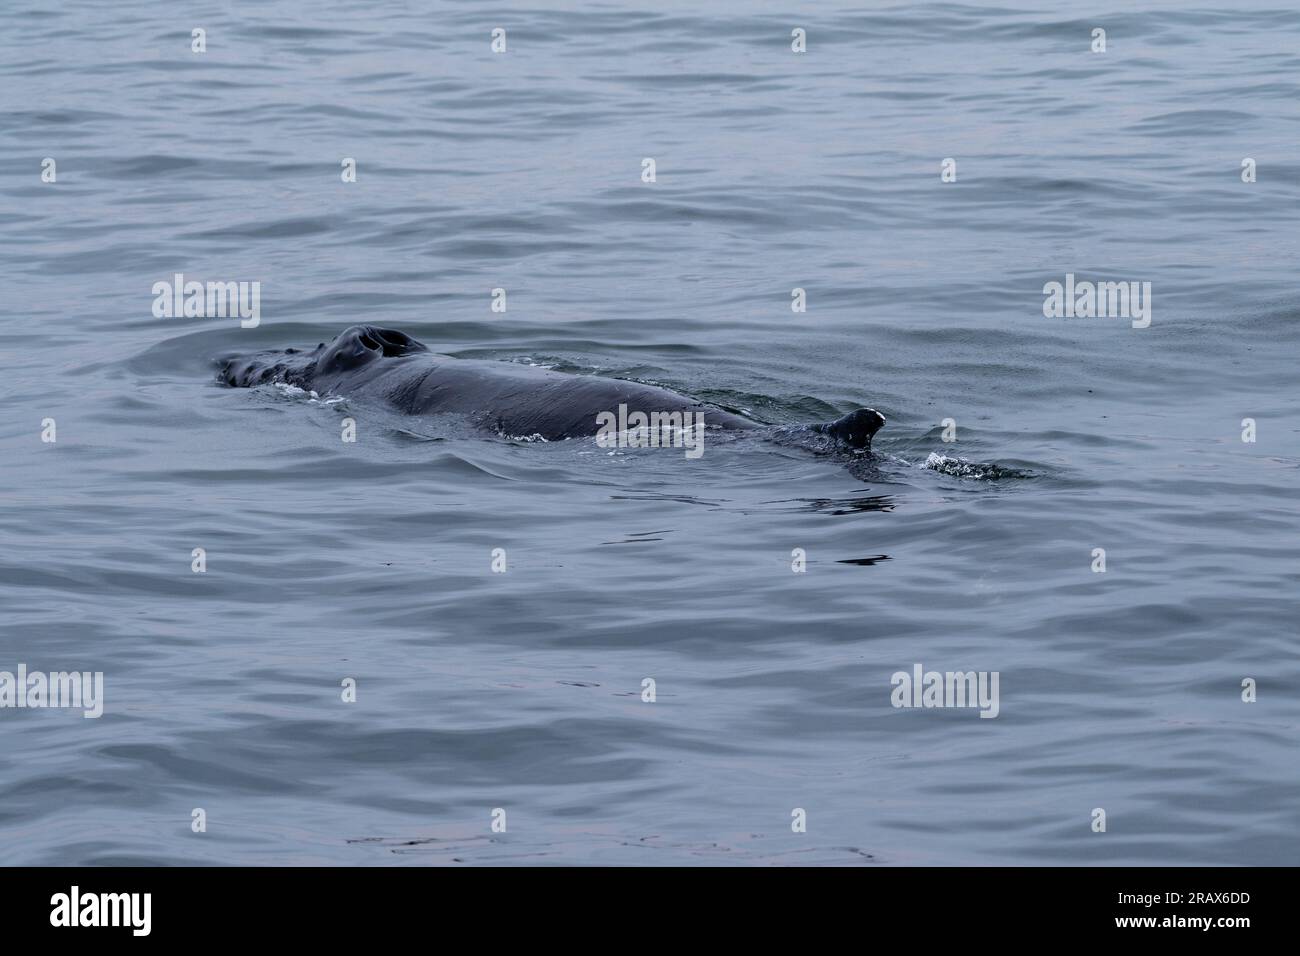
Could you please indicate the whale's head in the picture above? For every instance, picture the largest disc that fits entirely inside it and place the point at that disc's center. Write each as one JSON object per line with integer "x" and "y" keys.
{"x": 351, "y": 350}
{"x": 855, "y": 429}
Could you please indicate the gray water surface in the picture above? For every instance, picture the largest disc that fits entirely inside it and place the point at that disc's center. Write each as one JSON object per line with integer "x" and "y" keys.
{"x": 775, "y": 170}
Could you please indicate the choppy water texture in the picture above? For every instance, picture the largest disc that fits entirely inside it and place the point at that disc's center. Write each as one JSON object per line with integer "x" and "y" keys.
{"x": 522, "y": 690}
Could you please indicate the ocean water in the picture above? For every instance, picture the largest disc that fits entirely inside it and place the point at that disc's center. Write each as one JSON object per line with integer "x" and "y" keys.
{"x": 522, "y": 691}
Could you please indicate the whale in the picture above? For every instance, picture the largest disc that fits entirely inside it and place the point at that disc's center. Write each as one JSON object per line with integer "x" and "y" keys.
{"x": 369, "y": 363}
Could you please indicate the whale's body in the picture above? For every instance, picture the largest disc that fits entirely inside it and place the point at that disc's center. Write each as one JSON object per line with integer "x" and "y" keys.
{"x": 366, "y": 362}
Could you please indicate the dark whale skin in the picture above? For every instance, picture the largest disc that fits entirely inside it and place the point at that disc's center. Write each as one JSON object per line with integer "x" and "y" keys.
{"x": 370, "y": 363}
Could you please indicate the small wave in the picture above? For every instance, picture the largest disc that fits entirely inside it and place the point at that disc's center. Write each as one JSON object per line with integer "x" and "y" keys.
{"x": 965, "y": 468}
{"x": 295, "y": 392}
{"x": 533, "y": 363}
